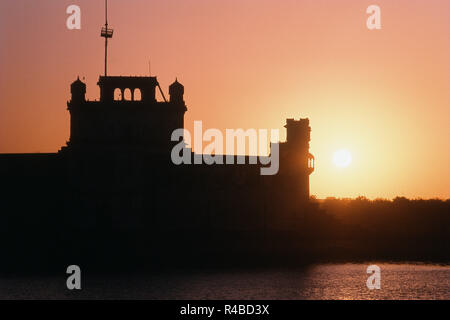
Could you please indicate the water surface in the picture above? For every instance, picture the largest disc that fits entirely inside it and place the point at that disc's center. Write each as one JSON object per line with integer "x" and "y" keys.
{"x": 323, "y": 281}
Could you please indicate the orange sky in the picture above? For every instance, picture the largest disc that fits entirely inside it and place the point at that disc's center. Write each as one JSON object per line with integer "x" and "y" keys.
{"x": 384, "y": 94}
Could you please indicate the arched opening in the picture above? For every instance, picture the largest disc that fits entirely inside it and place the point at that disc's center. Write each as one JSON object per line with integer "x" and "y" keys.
{"x": 117, "y": 94}
{"x": 137, "y": 94}
{"x": 127, "y": 94}
{"x": 311, "y": 161}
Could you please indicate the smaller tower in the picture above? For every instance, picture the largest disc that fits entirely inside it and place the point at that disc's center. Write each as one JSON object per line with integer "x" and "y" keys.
{"x": 298, "y": 133}
{"x": 176, "y": 92}
{"x": 78, "y": 91}
{"x": 296, "y": 163}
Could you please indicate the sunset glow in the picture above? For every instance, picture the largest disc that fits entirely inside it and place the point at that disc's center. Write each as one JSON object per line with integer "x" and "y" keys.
{"x": 252, "y": 64}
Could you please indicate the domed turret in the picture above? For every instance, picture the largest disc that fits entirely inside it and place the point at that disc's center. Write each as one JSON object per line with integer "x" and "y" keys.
{"x": 78, "y": 90}
{"x": 176, "y": 92}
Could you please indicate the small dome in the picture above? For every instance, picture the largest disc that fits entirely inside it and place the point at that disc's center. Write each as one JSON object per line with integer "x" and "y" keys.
{"x": 78, "y": 84}
{"x": 176, "y": 85}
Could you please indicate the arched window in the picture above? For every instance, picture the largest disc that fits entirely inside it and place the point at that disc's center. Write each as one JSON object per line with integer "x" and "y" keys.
{"x": 117, "y": 94}
{"x": 137, "y": 94}
{"x": 127, "y": 94}
{"x": 311, "y": 161}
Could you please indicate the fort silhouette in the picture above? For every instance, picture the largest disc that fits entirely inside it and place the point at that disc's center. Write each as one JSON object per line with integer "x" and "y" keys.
{"x": 112, "y": 197}
{"x": 113, "y": 191}
{"x": 115, "y": 180}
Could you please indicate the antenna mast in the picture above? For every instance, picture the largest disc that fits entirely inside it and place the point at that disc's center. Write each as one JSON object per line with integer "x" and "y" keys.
{"x": 106, "y": 33}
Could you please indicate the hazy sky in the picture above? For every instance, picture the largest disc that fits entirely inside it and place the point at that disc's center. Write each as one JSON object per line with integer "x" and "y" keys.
{"x": 382, "y": 94}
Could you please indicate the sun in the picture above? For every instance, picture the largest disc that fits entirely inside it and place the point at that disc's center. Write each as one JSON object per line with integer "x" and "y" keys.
{"x": 342, "y": 158}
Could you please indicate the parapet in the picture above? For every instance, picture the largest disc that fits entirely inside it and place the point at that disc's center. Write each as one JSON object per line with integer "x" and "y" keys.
{"x": 146, "y": 85}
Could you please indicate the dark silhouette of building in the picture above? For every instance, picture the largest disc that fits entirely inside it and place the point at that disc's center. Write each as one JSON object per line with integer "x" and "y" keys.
{"x": 113, "y": 190}
{"x": 122, "y": 147}
{"x": 115, "y": 180}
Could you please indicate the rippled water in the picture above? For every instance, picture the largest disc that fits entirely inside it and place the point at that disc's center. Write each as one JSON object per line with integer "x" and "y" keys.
{"x": 324, "y": 281}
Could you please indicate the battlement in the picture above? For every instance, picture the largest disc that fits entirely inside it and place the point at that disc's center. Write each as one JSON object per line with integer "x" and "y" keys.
{"x": 298, "y": 130}
{"x": 300, "y": 122}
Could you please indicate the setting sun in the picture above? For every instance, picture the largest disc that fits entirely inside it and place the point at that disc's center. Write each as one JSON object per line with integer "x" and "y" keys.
{"x": 342, "y": 158}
